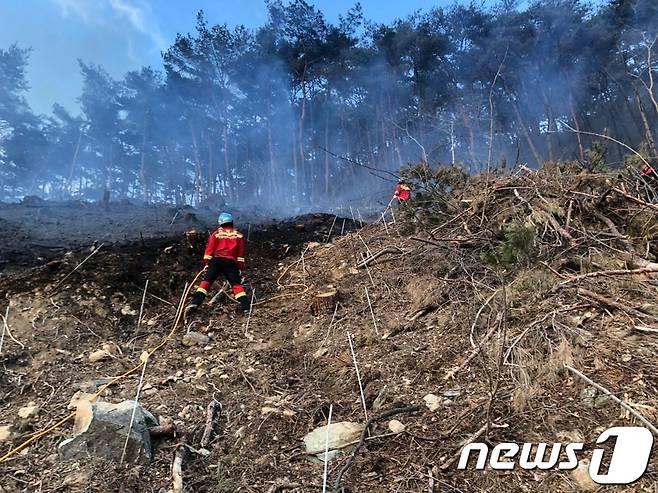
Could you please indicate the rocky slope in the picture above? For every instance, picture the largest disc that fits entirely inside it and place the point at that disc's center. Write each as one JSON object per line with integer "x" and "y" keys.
{"x": 464, "y": 315}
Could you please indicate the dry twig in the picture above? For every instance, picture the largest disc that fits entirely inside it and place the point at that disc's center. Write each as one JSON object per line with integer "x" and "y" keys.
{"x": 177, "y": 465}
{"x": 623, "y": 404}
{"x": 206, "y": 438}
{"x": 54, "y": 288}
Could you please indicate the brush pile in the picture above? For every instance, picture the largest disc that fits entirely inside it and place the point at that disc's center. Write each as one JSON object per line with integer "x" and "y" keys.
{"x": 472, "y": 314}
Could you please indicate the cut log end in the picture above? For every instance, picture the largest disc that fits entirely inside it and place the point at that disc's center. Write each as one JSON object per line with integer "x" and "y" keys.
{"x": 195, "y": 242}
{"x": 324, "y": 301}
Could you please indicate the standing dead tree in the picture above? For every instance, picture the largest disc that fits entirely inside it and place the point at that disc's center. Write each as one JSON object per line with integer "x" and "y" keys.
{"x": 491, "y": 109}
{"x": 649, "y": 83}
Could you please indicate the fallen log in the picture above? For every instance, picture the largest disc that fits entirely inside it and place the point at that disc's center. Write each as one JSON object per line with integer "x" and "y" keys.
{"x": 614, "y": 272}
{"x": 558, "y": 228}
{"x": 366, "y": 261}
{"x": 285, "y": 484}
{"x": 615, "y": 231}
{"x": 615, "y": 304}
{"x": 168, "y": 430}
{"x": 648, "y": 330}
{"x": 555, "y": 224}
{"x": 177, "y": 465}
{"x": 630, "y": 255}
{"x": 462, "y": 242}
{"x": 635, "y": 199}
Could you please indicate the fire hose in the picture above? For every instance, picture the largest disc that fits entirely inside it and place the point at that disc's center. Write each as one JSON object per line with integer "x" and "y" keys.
{"x": 142, "y": 362}
{"x": 144, "y": 358}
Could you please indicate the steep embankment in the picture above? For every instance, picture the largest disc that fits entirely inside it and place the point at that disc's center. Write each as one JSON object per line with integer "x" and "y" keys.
{"x": 474, "y": 306}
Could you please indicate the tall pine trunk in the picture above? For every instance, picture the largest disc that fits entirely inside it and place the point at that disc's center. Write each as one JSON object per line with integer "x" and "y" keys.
{"x": 576, "y": 123}
{"x": 74, "y": 162}
{"x": 648, "y": 134}
{"x": 274, "y": 193}
{"x": 526, "y": 133}
{"x": 300, "y": 142}
{"x": 142, "y": 161}
{"x": 197, "y": 167}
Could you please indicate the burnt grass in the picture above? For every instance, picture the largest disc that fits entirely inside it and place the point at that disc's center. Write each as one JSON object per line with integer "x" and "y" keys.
{"x": 276, "y": 383}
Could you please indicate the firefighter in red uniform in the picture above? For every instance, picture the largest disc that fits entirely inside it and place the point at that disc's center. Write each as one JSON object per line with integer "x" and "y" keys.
{"x": 402, "y": 191}
{"x": 649, "y": 174}
{"x": 224, "y": 256}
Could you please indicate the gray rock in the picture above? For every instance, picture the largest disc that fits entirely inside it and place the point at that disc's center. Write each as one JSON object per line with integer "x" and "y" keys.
{"x": 29, "y": 411}
{"x": 99, "y": 355}
{"x": 587, "y": 395}
{"x": 602, "y": 401}
{"x": 396, "y": 426}
{"x": 451, "y": 394}
{"x": 7, "y": 433}
{"x": 80, "y": 396}
{"x": 331, "y": 455}
{"x": 195, "y": 339}
{"x": 101, "y": 428}
{"x": 432, "y": 402}
{"x": 340, "y": 434}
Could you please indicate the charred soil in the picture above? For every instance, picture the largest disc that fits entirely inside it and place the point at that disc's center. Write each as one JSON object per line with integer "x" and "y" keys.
{"x": 474, "y": 306}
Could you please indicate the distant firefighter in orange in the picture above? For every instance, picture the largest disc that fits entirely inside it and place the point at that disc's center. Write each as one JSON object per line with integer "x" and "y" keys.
{"x": 649, "y": 174}
{"x": 402, "y": 191}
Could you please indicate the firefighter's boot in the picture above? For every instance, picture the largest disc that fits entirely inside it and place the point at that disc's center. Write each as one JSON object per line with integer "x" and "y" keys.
{"x": 244, "y": 303}
{"x": 195, "y": 303}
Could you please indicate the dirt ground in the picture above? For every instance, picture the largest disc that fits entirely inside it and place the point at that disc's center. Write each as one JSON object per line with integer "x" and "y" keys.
{"x": 277, "y": 378}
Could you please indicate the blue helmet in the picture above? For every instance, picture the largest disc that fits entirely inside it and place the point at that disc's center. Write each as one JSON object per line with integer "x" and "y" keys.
{"x": 225, "y": 218}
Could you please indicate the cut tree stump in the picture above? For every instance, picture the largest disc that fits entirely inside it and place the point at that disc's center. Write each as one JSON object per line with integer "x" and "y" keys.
{"x": 190, "y": 217}
{"x": 195, "y": 243}
{"x": 324, "y": 301}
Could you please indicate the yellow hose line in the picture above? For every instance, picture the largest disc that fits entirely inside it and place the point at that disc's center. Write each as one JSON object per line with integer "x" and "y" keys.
{"x": 179, "y": 314}
{"x": 37, "y": 436}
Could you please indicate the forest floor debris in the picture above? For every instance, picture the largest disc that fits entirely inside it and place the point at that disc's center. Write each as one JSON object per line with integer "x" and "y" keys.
{"x": 497, "y": 298}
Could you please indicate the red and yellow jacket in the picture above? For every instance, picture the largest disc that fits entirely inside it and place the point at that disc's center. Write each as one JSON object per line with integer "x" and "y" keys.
{"x": 649, "y": 172}
{"x": 402, "y": 192}
{"x": 226, "y": 243}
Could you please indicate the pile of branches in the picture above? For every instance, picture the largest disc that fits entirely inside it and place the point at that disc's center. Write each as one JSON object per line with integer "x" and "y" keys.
{"x": 532, "y": 265}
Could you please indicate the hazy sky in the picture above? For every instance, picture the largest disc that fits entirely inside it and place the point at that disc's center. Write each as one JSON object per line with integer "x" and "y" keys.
{"x": 123, "y": 35}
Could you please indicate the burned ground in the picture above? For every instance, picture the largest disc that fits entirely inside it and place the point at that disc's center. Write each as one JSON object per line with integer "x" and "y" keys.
{"x": 35, "y": 230}
{"x": 483, "y": 302}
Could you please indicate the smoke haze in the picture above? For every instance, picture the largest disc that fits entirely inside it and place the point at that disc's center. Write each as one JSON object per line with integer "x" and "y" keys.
{"x": 302, "y": 113}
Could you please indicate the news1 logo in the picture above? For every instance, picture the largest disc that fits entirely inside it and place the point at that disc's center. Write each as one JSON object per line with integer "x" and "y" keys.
{"x": 628, "y": 462}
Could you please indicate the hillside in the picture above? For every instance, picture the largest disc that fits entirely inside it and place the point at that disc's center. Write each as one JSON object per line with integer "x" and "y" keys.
{"x": 464, "y": 312}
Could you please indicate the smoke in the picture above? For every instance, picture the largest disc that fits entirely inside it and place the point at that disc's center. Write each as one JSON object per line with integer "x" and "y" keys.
{"x": 302, "y": 114}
